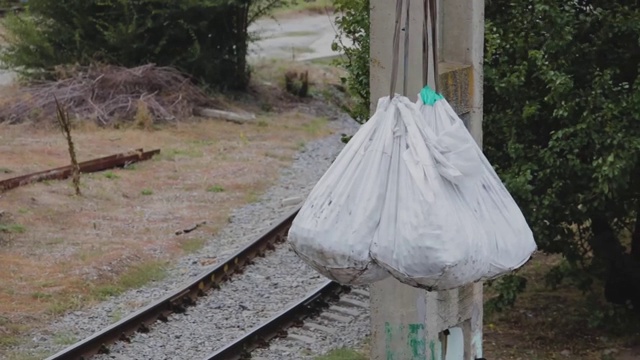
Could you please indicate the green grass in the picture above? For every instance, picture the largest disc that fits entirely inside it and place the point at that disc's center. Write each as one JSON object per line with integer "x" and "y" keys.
{"x": 133, "y": 278}
{"x": 142, "y": 274}
{"x": 116, "y": 315}
{"x": 252, "y": 197}
{"x": 4, "y": 170}
{"x": 326, "y": 61}
{"x": 111, "y": 175}
{"x": 192, "y": 245}
{"x": 67, "y": 303}
{"x": 106, "y": 291}
{"x": 146, "y": 192}
{"x": 7, "y": 340}
{"x": 315, "y": 126}
{"x": 38, "y": 295}
{"x": 64, "y": 338}
{"x": 215, "y": 189}
{"x": 343, "y": 354}
{"x": 12, "y": 228}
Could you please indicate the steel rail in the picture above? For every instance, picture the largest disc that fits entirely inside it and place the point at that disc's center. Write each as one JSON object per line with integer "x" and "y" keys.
{"x": 178, "y": 300}
{"x": 260, "y": 336}
{"x": 95, "y": 165}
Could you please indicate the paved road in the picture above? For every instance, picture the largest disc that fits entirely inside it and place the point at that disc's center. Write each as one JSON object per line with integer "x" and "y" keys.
{"x": 6, "y": 77}
{"x": 302, "y": 38}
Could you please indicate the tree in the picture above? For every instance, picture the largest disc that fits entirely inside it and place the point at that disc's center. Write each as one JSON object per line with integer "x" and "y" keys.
{"x": 207, "y": 39}
{"x": 562, "y": 127}
{"x": 353, "y": 24}
{"x": 562, "y": 124}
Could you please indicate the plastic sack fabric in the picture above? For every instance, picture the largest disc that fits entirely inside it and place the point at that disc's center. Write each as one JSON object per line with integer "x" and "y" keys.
{"x": 411, "y": 195}
{"x": 333, "y": 230}
{"x": 469, "y": 228}
{"x": 510, "y": 238}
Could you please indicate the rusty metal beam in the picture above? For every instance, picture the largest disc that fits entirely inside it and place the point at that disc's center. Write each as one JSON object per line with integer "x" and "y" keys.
{"x": 89, "y": 166}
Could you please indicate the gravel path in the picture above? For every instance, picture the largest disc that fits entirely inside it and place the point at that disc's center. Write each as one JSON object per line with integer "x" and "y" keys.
{"x": 280, "y": 277}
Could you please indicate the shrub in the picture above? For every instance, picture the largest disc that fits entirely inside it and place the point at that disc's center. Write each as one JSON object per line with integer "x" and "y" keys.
{"x": 353, "y": 24}
{"x": 207, "y": 39}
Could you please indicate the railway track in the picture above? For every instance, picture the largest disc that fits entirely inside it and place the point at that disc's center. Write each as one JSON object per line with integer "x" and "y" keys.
{"x": 307, "y": 317}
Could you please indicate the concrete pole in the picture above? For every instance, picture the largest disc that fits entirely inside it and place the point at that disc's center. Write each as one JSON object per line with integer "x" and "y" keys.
{"x": 409, "y": 323}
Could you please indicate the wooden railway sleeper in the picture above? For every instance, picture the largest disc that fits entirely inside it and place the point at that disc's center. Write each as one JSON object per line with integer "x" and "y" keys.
{"x": 143, "y": 328}
{"x": 124, "y": 338}
{"x": 103, "y": 349}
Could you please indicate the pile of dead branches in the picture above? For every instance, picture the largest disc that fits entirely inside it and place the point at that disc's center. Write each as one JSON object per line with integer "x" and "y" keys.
{"x": 107, "y": 94}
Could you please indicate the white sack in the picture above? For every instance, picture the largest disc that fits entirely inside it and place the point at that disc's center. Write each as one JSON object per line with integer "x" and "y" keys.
{"x": 468, "y": 229}
{"x": 512, "y": 242}
{"x": 333, "y": 230}
{"x": 412, "y": 195}
{"x": 428, "y": 237}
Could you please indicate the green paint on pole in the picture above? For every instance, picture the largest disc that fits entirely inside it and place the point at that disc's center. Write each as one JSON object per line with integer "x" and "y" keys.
{"x": 414, "y": 349}
{"x": 388, "y": 332}
{"x": 432, "y": 347}
{"x": 416, "y": 342}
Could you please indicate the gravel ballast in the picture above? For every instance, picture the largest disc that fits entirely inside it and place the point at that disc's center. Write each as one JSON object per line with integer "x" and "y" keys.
{"x": 265, "y": 288}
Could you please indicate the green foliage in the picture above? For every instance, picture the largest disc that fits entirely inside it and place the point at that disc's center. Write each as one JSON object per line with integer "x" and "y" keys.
{"x": 207, "y": 39}
{"x": 353, "y": 25}
{"x": 562, "y": 126}
{"x": 508, "y": 288}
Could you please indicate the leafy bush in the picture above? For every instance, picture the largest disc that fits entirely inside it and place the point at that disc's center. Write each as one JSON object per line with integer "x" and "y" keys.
{"x": 562, "y": 124}
{"x": 207, "y": 39}
{"x": 353, "y": 24}
{"x": 562, "y": 128}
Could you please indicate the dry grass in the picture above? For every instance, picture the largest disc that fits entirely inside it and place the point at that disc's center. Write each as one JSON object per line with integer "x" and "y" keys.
{"x": 61, "y": 252}
{"x": 114, "y": 224}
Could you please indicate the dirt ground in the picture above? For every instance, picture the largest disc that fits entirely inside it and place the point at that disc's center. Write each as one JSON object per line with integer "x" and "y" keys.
{"x": 546, "y": 325}
{"x": 60, "y": 252}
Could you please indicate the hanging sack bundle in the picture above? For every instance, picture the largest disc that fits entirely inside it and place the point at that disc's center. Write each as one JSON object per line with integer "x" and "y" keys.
{"x": 448, "y": 219}
{"x": 411, "y": 195}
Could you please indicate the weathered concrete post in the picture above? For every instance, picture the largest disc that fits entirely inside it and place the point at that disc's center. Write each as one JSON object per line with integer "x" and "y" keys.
{"x": 409, "y": 323}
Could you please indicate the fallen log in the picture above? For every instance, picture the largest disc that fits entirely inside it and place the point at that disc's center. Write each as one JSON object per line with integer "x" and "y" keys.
{"x": 95, "y": 165}
{"x": 225, "y": 115}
